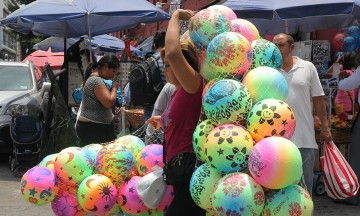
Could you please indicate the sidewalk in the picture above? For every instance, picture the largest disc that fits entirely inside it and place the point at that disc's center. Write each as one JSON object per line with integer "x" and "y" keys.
{"x": 13, "y": 204}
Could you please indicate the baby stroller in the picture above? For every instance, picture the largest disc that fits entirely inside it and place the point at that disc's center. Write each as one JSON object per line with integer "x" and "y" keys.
{"x": 26, "y": 134}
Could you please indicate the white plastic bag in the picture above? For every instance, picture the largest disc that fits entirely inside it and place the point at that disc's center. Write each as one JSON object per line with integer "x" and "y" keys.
{"x": 151, "y": 188}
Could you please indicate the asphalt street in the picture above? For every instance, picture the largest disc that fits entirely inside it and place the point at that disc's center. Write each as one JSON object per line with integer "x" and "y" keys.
{"x": 13, "y": 204}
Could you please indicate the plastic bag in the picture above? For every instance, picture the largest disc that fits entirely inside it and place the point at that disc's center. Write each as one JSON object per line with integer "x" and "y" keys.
{"x": 339, "y": 178}
{"x": 151, "y": 188}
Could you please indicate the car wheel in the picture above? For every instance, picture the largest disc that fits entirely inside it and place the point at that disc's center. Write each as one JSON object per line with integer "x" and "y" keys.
{"x": 320, "y": 189}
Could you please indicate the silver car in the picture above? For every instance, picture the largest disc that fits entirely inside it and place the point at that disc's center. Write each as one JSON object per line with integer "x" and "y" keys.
{"x": 23, "y": 91}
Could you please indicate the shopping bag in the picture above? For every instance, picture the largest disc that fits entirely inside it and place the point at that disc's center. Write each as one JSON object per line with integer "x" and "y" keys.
{"x": 151, "y": 188}
{"x": 339, "y": 178}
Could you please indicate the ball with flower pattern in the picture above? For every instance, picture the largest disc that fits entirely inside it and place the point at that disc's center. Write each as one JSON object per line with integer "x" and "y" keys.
{"x": 227, "y": 148}
{"x": 66, "y": 202}
{"x": 238, "y": 194}
{"x": 199, "y": 137}
{"x": 227, "y": 101}
{"x": 271, "y": 117}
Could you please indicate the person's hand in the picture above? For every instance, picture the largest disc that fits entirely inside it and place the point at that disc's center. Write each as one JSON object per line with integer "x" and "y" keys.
{"x": 325, "y": 135}
{"x": 339, "y": 59}
{"x": 343, "y": 75}
{"x": 185, "y": 14}
{"x": 154, "y": 121}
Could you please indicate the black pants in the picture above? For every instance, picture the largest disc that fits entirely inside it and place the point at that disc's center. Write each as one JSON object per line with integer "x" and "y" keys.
{"x": 91, "y": 133}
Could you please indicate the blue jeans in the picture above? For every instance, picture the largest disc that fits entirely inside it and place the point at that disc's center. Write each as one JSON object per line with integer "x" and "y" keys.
{"x": 148, "y": 109}
{"x": 308, "y": 161}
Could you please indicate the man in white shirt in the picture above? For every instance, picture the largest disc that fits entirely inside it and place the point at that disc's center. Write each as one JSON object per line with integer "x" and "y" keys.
{"x": 305, "y": 92}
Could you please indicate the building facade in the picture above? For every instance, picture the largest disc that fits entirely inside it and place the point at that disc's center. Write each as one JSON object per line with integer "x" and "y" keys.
{"x": 8, "y": 43}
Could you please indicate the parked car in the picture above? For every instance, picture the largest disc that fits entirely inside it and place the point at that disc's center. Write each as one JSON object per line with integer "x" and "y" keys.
{"x": 23, "y": 92}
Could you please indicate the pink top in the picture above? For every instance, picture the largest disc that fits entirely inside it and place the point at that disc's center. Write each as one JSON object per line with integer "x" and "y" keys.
{"x": 343, "y": 97}
{"x": 179, "y": 121}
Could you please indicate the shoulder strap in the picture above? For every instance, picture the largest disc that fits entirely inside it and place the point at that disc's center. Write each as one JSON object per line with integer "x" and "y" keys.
{"x": 164, "y": 151}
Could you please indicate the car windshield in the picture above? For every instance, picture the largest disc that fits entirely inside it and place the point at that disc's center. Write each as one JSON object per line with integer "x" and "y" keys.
{"x": 15, "y": 78}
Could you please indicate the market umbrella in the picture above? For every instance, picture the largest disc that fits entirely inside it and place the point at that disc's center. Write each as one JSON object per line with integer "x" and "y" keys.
{"x": 100, "y": 43}
{"x": 39, "y": 58}
{"x": 75, "y": 18}
{"x": 275, "y": 16}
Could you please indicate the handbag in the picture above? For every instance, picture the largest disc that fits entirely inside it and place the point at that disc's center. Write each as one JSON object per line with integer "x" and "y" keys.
{"x": 151, "y": 188}
{"x": 339, "y": 179}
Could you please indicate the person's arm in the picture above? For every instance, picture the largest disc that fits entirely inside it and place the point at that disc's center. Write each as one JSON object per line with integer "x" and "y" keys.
{"x": 154, "y": 121}
{"x": 329, "y": 72}
{"x": 107, "y": 98}
{"x": 350, "y": 82}
{"x": 188, "y": 78}
{"x": 320, "y": 110}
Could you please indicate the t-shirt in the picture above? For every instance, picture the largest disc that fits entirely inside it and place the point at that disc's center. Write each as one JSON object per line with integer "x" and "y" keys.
{"x": 91, "y": 107}
{"x": 346, "y": 98}
{"x": 304, "y": 84}
{"x": 179, "y": 121}
{"x": 351, "y": 82}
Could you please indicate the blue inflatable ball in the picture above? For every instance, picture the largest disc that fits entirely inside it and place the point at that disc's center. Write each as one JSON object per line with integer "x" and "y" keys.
{"x": 353, "y": 31}
{"x": 350, "y": 43}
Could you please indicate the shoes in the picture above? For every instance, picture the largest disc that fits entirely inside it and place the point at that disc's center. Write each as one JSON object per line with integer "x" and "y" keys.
{"x": 354, "y": 200}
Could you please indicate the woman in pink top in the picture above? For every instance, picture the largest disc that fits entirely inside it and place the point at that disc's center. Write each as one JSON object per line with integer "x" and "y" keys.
{"x": 181, "y": 116}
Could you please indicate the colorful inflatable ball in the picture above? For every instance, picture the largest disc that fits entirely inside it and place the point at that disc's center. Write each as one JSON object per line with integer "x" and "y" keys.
{"x": 39, "y": 186}
{"x": 227, "y": 148}
{"x": 97, "y": 194}
{"x": 199, "y": 137}
{"x": 228, "y": 52}
{"x": 90, "y": 153}
{"x": 149, "y": 157}
{"x": 292, "y": 200}
{"x": 227, "y": 101}
{"x": 207, "y": 24}
{"x": 131, "y": 142}
{"x": 271, "y": 117}
{"x": 275, "y": 163}
{"x": 71, "y": 166}
{"x": 245, "y": 28}
{"x": 202, "y": 184}
{"x": 238, "y": 194}
{"x": 338, "y": 41}
{"x": 265, "y": 53}
{"x": 66, "y": 202}
{"x": 230, "y": 14}
{"x": 266, "y": 82}
{"x": 49, "y": 161}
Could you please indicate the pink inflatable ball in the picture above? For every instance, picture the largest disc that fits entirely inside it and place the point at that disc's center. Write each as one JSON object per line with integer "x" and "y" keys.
{"x": 338, "y": 41}
{"x": 271, "y": 117}
{"x": 202, "y": 185}
{"x": 199, "y": 137}
{"x": 207, "y": 24}
{"x": 266, "y": 82}
{"x": 230, "y": 14}
{"x": 39, "y": 186}
{"x": 245, "y": 28}
{"x": 227, "y": 148}
{"x": 227, "y": 101}
{"x": 292, "y": 200}
{"x": 97, "y": 194}
{"x": 238, "y": 194}
{"x": 228, "y": 52}
{"x": 149, "y": 157}
{"x": 275, "y": 163}
{"x": 66, "y": 202}
{"x": 71, "y": 166}
{"x": 265, "y": 53}
{"x": 90, "y": 153}
{"x": 133, "y": 143}
{"x": 185, "y": 37}
{"x": 116, "y": 162}
{"x": 128, "y": 198}
{"x": 166, "y": 201}
{"x": 49, "y": 161}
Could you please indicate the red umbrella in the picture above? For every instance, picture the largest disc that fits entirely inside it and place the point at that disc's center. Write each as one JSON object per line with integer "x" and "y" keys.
{"x": 39, "y": 57}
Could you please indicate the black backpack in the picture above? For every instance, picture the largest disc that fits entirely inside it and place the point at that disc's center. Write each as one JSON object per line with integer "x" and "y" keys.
{"x": 145, "y": 82}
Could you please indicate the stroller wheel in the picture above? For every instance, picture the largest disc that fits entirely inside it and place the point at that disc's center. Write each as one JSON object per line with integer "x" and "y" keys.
{"x": 13, "y": 164}
{"x": 320, "y": 189}
{"x": 10, "y": 158}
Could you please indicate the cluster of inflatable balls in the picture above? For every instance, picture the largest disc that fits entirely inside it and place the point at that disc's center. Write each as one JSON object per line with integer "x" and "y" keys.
{"x": 96, "y": 179}
{"x": 250, "y": 165}
{"x": 347, "y": 41}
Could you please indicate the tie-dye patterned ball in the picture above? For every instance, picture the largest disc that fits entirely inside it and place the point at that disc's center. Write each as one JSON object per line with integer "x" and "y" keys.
{"x": 66, "y": 202}
{"x": 39, "y": 186}
{"x": 238, "y": 194}
{"x": 133, "y": 143}
{"x": 265, "y": 53}
{"x": 275, "y": 163}
{"x": 230, "y": 14}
